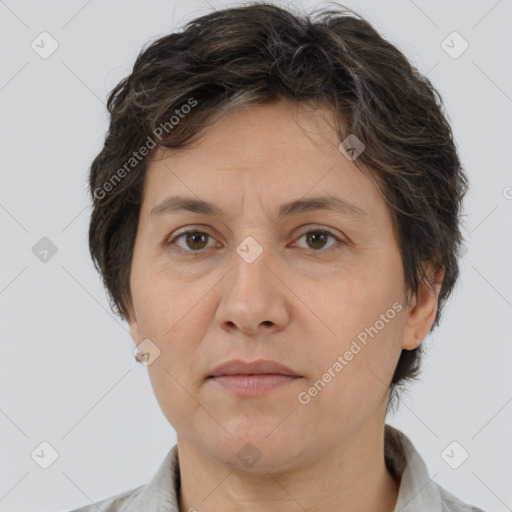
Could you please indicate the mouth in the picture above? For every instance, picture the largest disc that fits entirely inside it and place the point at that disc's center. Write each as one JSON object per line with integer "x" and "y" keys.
{"x": 259, "y": 367}
{"x": 254, "y": 385}
{"x": 253, "y": 378}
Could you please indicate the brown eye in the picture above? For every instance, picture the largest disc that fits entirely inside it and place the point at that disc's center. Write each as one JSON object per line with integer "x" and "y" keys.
{"x": 190, "y": 241}
{"x": 196, "y": 240}
{"x": 316, "y": 239}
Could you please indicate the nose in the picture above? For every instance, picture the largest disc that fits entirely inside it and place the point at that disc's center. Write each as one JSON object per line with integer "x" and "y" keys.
{"x": 253, "y": 298}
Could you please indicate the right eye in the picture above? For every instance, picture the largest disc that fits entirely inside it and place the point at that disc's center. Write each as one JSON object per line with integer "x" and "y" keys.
{"x": 193, "y": 241}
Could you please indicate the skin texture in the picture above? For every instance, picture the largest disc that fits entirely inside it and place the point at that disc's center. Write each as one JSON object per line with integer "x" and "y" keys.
{"x": 302, "y": 302}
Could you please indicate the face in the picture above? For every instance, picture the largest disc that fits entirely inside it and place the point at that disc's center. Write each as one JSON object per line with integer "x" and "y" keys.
{"x": 316, "y": 288}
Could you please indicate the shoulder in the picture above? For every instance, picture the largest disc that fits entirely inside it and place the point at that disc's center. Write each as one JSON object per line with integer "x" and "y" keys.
{"x": 161, "y": 490}
{"x": 418, "y": 491}
{"x": 117, "y": 503}
{"x": 453, "y": 504}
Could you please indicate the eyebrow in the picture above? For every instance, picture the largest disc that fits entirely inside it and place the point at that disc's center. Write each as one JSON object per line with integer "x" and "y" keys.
{"x": 177, "y": 204}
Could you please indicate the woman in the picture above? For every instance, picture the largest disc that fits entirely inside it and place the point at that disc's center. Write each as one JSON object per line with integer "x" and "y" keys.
{"x": 276, "y": 216}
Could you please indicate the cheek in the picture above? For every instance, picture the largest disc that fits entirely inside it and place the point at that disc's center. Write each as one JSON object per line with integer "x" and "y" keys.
{"x": 176, "y": 376}
{"x": 354, "y": 379}
{"x": 165, "y": 301}
{"x": 170, "y": 314}
{"x": 354, "y": 360}
{"x": 370, "y": 340}
{"x": 352, "y": 306}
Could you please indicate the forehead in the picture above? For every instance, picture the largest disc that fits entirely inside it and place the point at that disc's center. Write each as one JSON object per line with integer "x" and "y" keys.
{"x": 272, "y": 154}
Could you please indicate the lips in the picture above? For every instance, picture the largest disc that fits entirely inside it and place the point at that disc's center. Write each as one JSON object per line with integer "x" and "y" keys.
{"x": 255, "y": 379}
{"x": 259, "y": 367}
{"x": 253, "y": 385}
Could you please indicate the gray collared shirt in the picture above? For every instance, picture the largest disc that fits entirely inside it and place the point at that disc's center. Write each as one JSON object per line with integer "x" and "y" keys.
{"x": 418, "y": 492}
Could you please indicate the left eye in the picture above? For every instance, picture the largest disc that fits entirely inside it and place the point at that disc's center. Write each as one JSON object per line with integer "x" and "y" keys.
{"x": 318, "y": 238}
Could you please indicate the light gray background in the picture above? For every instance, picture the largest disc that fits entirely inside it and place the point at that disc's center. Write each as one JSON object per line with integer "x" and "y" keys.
{"x": 67, "y": 371}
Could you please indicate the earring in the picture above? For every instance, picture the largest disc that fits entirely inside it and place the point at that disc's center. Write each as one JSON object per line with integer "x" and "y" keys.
{"x": 138, "y": 355}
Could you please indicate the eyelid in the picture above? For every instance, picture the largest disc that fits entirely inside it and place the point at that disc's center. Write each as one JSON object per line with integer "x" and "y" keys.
{"x": 312, "y": 228}
{"x": 169, "y": 240}
{"x": 317, "y": 227}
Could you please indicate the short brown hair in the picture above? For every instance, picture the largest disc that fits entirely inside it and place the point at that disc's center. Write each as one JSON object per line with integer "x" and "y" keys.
{"x": 260, "y": 53}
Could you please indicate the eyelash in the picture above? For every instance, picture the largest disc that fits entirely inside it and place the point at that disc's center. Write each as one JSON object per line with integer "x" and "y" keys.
{"x": 172, "y": 240}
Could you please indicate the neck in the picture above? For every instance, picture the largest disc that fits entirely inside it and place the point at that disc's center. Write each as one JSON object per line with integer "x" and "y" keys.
{"x": 352, "y": 477}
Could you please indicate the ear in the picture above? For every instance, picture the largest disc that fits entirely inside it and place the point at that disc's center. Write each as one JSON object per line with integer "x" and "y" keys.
{"x": 422, "y": 310}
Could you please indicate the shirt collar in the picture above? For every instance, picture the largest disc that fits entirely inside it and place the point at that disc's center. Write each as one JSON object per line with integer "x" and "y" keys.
{"x": 417, "y": 489}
